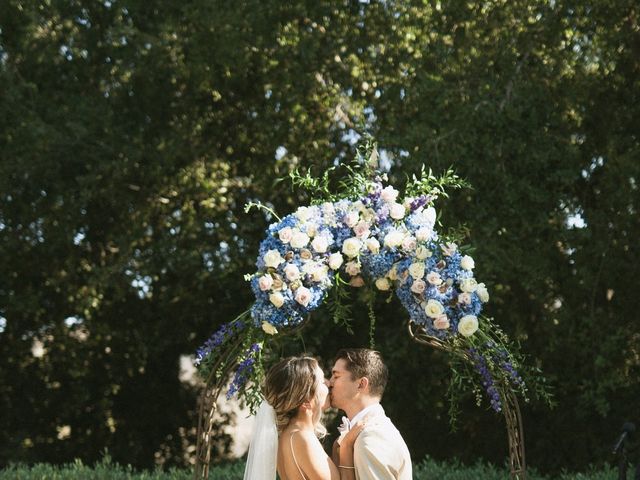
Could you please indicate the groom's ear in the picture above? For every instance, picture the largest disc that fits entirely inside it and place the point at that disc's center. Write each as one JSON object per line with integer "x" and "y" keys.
{"x": 363, "y": 384}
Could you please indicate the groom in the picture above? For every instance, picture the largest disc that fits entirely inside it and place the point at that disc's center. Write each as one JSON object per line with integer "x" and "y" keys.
{"x": 358, "y": 380}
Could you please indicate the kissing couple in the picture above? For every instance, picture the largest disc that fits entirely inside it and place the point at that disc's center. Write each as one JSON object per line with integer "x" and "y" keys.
{"x": 288, "y": 425}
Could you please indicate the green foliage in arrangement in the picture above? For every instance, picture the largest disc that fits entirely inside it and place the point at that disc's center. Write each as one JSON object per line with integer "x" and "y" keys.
{"x": 132, "y": 134}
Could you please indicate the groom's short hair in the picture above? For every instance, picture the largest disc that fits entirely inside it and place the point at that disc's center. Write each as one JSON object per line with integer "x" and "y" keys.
{"x": 363, "y": 362}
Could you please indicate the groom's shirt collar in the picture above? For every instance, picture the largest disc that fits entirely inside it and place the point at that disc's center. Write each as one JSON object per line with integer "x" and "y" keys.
{"x": 375, "y": 409}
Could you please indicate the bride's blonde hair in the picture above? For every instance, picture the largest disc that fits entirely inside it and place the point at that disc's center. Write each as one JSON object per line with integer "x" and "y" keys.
{"x": 288, "y": 384}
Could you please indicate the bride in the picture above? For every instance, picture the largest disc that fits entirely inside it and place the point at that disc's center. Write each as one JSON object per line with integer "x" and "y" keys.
{"x": 288, "y": 427}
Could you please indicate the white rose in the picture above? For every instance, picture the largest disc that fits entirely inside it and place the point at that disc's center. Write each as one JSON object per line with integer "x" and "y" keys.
{"x": 303, "y": 296}
{"x": 389, "y": 194}
{"x": 320, "y": 244}
{"x": 464, "y": 298}
{"x": 309, "y": 267}
{"x": 291, "y": 272}
{"x": 423, "y": 234}
{"x": 285, "y": 234}
{"x": 441, "y": 323}
{"x": 467, "y": 263}
{"x": 434, "y": 278}
{"x": 265, "y": 282}
{"x": 468, "y": 325}
{"x": 397, "y": 211}
{"x": 368, "y": 215}
{"x": 416, "y": 270}
{"x": 393, "y": 238}
{"x": 373, "y": 245}
{"x": 277, "y": 299}
{"x": 299, "y": 239}
{"x": 351, "y": 218}
{"x": 468, "y": 285}
{"x": 352, "y": 268}
{"x": 393, "y": 273}
{"x": 409, "y": 243}
{"x": 418, "y": 286}
{"x": 449, "y": 249}
{"x": 272, "y": 258}
{"x": 356, "y": 282}
{"x": 328, "y": 209}
{"x": 383, "y": 284}
{"x": 312, "y": 229}
{"x": 335, "y": 261}
{"x": 303, "y": 213}
{"x": 407, "y": 202}
{"x": 361, "y": 229}
{"x": 319, "y": 273}
{"x": 433, "y": 309}
{"x": 269, "y": 329}
{"x": 483, "y": 293}
{"x": 351, "y": 247}
{"x": 429, "y": 215}
{"x": 422, "y": 252}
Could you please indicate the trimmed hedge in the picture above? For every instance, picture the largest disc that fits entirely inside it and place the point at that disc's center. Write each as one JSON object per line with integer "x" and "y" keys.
{"x": 428, "y": 469}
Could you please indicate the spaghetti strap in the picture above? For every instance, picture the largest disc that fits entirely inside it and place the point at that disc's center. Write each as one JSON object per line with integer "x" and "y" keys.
{"x": 294, "y": 455}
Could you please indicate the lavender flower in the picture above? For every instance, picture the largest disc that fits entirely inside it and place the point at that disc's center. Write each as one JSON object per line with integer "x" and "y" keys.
{"x": 244, "y": 371}
{"x": 480, "y": 364}
{"x": 225, "y": 332}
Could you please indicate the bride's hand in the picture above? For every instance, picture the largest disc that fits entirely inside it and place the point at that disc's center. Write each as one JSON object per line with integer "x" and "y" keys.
{"x": 350, "y": 437}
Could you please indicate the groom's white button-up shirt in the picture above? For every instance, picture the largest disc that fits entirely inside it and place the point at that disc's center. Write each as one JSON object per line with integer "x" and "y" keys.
{"x": 380, "y": 452}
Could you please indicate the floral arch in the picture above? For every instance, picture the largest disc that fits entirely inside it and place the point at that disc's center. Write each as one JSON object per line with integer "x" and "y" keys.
{"x": 366, "y": 236}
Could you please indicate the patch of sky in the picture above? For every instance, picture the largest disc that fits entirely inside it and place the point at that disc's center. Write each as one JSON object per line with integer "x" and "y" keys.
{"x": 351, "y": 137}
{"x": 574, "y": 216}
{"x": 280, "y": 152}
{"x": 385, "y": 160}
{"x": 65, "y": 51}
{"x": 79, "y": 237}
{"x": 143, "y": 286}
{"x": 3, "y": 324}
{"x": 72, "y": 321}
{"x": 596, "y": 162}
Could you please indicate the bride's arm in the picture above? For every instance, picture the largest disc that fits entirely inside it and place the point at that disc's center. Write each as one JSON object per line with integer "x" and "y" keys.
{"x": 343, "y": 452}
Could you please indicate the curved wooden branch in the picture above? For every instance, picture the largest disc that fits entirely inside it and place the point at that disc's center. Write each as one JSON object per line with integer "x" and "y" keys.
{"x": 207, "y": 406}
{"x": 510, "y": 406}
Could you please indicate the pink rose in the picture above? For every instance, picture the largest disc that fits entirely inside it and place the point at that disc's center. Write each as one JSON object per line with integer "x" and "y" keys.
{"x": 352, "y": 268}
{"x": 357, "y": 282}
{"x": 303, "y": 296}
{"x": 441, "y": 323}
{"x": 361, "y": 229}
{"x": 418, "y": 286}
{"x": 292, "y": 273}
{"x": 265, "y": 282}
{"x": 434, "y": 278}
{"x": 351, "y": 218}
{"x": 409, "y": 243}
{"x": 464, "y": 298}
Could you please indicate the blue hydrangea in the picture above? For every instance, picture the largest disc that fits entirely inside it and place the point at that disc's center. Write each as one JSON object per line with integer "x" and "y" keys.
{"x": 377, "y": 265}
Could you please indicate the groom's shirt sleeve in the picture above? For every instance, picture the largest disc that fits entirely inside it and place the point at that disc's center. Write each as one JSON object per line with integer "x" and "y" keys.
{"x": 374, "y": 457}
